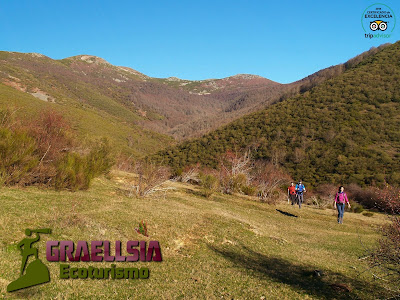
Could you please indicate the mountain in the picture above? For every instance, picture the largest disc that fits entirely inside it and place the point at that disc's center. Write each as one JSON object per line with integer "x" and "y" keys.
{"x": 161, "y": 105}
{"x": 172, "y": 106}
{"x": 345, "y": 129}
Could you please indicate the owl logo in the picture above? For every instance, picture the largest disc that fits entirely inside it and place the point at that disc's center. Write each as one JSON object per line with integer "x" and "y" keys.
{"x": 378, "y": 25}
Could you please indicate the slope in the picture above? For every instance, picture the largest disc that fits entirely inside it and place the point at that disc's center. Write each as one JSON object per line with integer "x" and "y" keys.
{"x": 88, "y": 123}
{"x": 173, "y": 106}
{"x": 344, "y": 130}
{"x": 227, "y": 247}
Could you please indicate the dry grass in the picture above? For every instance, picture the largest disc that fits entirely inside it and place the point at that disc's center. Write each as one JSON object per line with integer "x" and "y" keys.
{"x": 226, "y": 246}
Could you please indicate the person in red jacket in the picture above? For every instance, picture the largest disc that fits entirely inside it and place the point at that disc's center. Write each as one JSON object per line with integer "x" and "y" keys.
{"x": 291, "y": 191}
{"x": 340, "y": 202}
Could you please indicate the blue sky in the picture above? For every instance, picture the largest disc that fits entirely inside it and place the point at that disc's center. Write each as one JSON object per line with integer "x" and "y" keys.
{"x": 281, "y": 40}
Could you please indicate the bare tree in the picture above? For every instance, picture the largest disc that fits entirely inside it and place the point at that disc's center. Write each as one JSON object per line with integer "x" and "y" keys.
{"x": 268, "y": 178}
{"x": 235, "y": 168}
{"x": 151, "y": 177}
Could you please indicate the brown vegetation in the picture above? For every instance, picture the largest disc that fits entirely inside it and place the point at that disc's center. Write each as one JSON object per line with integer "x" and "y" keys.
{"x": 41, "y": 153}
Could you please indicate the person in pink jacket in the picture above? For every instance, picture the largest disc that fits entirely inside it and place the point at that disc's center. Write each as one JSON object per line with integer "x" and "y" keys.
{"x": 340, "y": 202}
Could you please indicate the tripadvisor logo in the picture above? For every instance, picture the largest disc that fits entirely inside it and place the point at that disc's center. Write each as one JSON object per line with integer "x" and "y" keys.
{"x": 60, "y": 251}
{"x": 378, "y": 21}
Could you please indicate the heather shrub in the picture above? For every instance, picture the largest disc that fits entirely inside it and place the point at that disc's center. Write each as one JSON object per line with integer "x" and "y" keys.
{"x": 73, "y": 173}
{"x": 41, "y": 152}
{"x": 52, "y": 135}
{"x": 209, "y": 184}
{"x": 249, "y": 190}
{"x": 356, "y": 207}
{"x": 17, "y": 157}
{"x": 99, "y": 159}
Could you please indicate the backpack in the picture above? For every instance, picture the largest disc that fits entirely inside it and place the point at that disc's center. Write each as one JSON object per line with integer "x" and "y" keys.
{"x": 300, "y": 188}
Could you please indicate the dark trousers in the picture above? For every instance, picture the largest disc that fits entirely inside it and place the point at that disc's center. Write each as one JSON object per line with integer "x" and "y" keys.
{"x": 340, "y": 209}
{"x": 293, "y": 198}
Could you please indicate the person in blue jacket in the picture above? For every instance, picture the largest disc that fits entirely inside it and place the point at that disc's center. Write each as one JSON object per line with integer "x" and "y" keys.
{"x": 300, "y": 190}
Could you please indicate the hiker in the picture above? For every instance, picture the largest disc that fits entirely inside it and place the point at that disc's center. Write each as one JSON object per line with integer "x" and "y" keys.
{"x": 300, "y": 189}
{"x": 340, "y": 202}
{"x": 291, "y": 191}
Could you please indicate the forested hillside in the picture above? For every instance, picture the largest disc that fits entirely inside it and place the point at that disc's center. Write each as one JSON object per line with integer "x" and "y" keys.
{"x": 176, "y": 107}
{"x": 347, "y": 129}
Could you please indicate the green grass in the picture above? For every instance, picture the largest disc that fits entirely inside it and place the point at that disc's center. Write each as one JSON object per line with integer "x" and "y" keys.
{"x": 229, "y": 247}
{"x": 89, "y": 123}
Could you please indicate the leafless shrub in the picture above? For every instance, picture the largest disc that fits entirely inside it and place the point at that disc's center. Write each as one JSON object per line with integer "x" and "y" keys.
{"x": 367, "y": 196}
{"x": 268, "y": 178}
{"x": 385, "y": 259}
{"x": 150, "y": 179}
{"x": 124, "y": 163}
{"x": 324, "y": 195}
{"x": 190, "y": 174}
{"x": 235, "y": 168}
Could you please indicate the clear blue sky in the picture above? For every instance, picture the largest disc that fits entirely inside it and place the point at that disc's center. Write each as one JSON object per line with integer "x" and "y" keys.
{"x": 281, "y": 40}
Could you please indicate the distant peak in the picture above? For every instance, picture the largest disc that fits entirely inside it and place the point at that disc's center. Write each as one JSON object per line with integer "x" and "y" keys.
{"x": 90, "y": 59}
{"x": 37, "y": 54}
{"x": 245, "y": 76}
{"x": 173, "y": 79}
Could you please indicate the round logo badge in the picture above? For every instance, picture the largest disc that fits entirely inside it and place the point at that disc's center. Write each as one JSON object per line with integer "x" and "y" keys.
{"x": 378, "y": 21}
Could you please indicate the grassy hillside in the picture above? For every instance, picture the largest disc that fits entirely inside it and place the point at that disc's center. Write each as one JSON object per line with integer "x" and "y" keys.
{"x": 226, "y": 247}
{"x": 88, "y": 123}
{"x": 344, "y": 130}
{"x": 179, "y": 108}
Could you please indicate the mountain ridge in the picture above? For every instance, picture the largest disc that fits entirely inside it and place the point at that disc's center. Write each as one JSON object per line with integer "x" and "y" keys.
{"x": 344, "y": 129}
{"x": 176, "y": 107}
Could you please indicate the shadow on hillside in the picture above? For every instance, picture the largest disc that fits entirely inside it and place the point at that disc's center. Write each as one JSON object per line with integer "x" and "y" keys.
{"x": 194, "y": 192}
{"x": 286, "y": 213}
{"x": 329, "y": 286}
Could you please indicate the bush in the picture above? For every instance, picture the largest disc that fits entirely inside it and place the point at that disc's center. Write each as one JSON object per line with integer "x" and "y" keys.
{"x": 52, "y": 135}
{"x": 75, "y": 172}
{"x": 367, "y": 197}
{"x": 150, "y": 178}
{"x": 356, "y": 208}
{"x": 100, "y": 158}
{"x": 17, "y": 157}
{"x": 320, "y": 202}
{"x": 39, "y": 152}
{"x": 72, "y": 173}
{"x": 389, "y": 200}
{"x": 386, "y": 256}
{"x": 249, "y": 190}
{"x": 209, "y": 184}
{"x": 368, "y": 213}
{"x": 268, "y": 178}
{"x": 234, "y": 168}
{"x": 189, "y": 174}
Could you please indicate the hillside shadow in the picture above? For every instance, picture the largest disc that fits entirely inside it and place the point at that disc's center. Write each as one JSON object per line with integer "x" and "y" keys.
{"x": 302, "y": 278}
{"x": 286, "y": 213}
{"x": 194, "y": 192}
